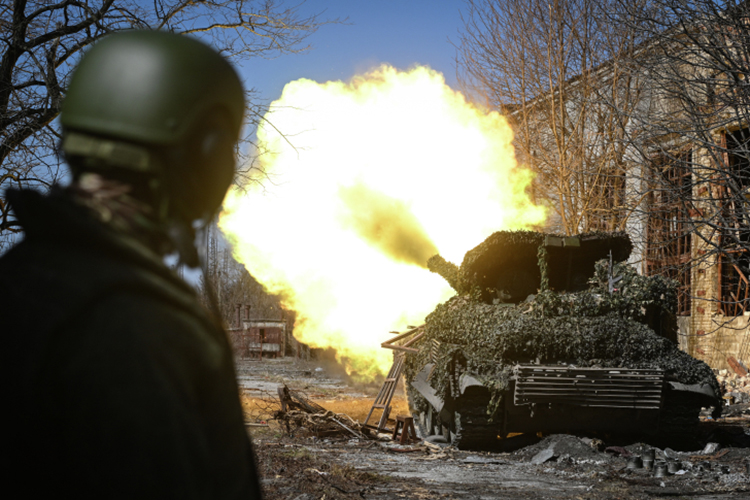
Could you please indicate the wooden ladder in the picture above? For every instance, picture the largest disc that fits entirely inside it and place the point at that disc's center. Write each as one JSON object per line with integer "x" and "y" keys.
{"x": 383, "y": 400}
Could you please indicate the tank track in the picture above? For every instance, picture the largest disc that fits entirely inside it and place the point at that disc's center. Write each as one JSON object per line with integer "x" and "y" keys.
{"x": 473, "y": 429}
{"x": 679, "y": 423}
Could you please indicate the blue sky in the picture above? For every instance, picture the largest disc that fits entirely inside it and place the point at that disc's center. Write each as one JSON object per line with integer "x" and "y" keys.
{"x": 401, "y": 33}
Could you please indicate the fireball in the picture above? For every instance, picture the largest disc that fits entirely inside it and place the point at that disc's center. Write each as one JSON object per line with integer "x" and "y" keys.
{"x": 363, "y": 181}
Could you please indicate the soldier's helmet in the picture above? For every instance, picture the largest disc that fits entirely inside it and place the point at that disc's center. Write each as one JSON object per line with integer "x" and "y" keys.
{"x": 159, "y": 106}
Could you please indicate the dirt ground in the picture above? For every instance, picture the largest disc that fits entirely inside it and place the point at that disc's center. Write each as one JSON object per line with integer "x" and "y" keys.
{"x": 297, "y": 464}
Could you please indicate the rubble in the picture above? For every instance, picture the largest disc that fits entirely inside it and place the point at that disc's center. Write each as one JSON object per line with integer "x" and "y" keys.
{"x": 544, "y": 455}
{"x": 561, "y": 446}
{"x": 736, "y": 387}
{"x": 564, "y": 452}
{"x": 736, "y": 410}
{"x": 297, "y": 411}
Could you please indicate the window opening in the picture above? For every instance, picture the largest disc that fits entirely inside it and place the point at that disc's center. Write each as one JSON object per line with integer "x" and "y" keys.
{"x": 668, "y": 229}
{"x": 734, "y": 259}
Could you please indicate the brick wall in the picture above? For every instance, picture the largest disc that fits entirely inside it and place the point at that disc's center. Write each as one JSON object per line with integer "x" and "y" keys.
{"x": 712, "y": 337}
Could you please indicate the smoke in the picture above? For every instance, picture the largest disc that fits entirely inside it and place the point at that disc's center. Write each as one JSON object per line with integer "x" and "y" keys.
{"x": 387, "y": 224}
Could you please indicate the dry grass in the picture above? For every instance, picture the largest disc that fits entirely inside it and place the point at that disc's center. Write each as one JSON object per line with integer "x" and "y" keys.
{"x": 261, "y": 409}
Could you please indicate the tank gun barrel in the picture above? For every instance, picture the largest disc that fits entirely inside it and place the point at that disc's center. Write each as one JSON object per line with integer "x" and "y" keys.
{"x": 448, "y": 270}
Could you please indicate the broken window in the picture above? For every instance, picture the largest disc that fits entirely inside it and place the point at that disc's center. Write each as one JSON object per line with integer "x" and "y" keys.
{"x": 668, "y": 230}
{"x": 734, "y": 259}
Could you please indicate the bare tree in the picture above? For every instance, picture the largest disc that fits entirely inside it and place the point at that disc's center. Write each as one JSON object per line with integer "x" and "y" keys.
{"x": 693, "y": 146}
{"x": 560, "y": 71}
{"x": 233, "y": 286}
{"x": 43, "y": 39}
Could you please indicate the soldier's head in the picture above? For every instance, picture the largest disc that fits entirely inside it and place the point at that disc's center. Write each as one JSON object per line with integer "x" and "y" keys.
{"x": 160, "y": 112}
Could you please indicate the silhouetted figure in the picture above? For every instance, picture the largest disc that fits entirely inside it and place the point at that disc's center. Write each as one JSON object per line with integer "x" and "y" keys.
{"x": 121, "y": 384}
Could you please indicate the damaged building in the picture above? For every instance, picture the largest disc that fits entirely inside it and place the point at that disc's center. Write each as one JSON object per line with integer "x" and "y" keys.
{"x": 664, "y": 157}
{"x": 253, "y": 337}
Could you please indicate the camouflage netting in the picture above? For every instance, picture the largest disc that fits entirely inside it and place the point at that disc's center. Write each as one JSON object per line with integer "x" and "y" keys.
{"x": 604, "y": 326}
{"x": 493, "y": 252}
{"x": 519, "y": 252}
{"x": 633, "y": 296}
{"x": 521, "y": 248}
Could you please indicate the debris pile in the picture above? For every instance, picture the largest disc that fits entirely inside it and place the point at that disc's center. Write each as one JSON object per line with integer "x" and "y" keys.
{"x": 562, "y": 447}
{"x": 683, "y": 470}
{"x": 735, "y": 384}
{"x": 736, "y": 387}
{"x": 322, "y": 424}
{"x": 298, "y": 412}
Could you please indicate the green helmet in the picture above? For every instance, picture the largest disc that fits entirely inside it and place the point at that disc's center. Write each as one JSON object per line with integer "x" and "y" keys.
{"x": 161, "y": 104}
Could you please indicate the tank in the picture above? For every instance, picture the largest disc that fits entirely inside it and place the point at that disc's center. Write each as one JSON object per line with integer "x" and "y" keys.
{"x": 548, "y": 333}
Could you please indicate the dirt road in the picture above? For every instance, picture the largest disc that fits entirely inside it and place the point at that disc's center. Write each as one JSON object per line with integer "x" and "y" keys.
{"x": 302, "y": 466}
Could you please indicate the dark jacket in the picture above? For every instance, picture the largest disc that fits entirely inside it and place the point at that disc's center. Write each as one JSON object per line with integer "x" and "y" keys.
{"x": 120, "y": 384}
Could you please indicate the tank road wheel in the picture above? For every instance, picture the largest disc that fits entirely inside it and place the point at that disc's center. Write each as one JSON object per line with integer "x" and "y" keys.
{"x": 423, "y": 422}
{"x": 422, "y": 412}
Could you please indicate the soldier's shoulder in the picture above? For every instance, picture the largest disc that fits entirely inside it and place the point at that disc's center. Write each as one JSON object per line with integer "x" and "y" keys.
{"x": 126, "y": 320}
{"x": 49, "y": 284}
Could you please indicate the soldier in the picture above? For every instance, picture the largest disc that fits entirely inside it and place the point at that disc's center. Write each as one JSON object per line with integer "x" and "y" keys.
{"x": 120, "y": 383}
